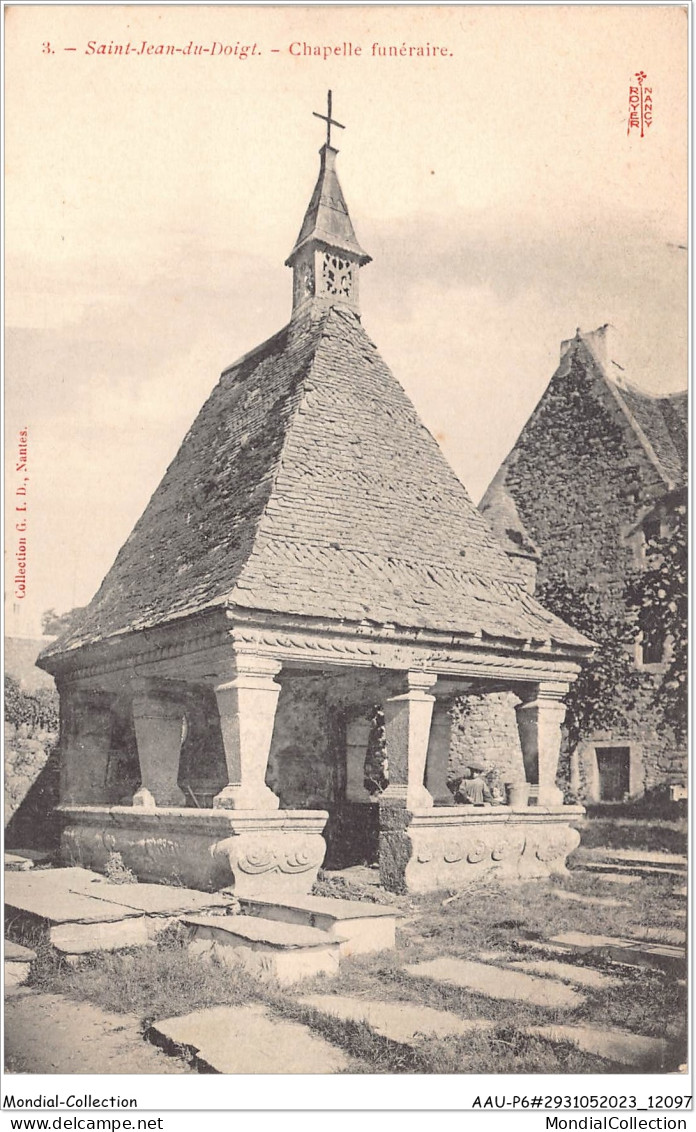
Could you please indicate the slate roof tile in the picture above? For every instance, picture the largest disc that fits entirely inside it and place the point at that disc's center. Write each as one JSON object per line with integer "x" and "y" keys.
{"x": 664, "y": 422}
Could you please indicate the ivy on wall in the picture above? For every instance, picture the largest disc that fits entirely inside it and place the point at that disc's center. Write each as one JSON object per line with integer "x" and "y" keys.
{"x": 592, "y": 702}
{"x": 657, "y": 599}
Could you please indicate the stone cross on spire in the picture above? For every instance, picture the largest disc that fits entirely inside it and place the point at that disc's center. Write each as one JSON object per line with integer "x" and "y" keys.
{"x": 328, "y": 119}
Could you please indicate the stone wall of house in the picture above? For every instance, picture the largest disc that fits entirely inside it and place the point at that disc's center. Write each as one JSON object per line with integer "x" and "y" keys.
{"x": 658, "y": 758}
{"x": 578, "y": 468}
{"x": 485, "y": 729}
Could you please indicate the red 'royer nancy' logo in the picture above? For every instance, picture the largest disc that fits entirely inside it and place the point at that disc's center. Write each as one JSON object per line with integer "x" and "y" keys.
{"x": 640, "y": 104}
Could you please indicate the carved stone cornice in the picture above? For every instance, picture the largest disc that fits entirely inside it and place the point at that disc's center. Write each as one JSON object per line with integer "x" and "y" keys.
{"x": 199, "y": 649}
{"x": 344, "y": 650}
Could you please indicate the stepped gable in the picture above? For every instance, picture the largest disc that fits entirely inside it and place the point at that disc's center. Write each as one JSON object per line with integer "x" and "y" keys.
{"x": 308, "y": 485}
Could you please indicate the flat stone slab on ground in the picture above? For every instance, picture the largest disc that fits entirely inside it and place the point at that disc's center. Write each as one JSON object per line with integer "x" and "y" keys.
{"x": 642, "y": 856}
{"x": 497, "y": 982}
{"x": 58, "y": 896}
{"x": 16, "y": 953}
{"x": 16, "y": 974}
{"x": 255, "y": 930}
{"x": 674, "y": 936}
{"x": 156, "y": 899}
{"x": 553, "y": 969}
{"x": 356, "y": 874}
{"x": 248, "y": 1039}
{"x": 18, "y": 961}
{"x": 363, "y": 927}
{"x": 614, "y": 878}
{"x": 326, "y": 906}
{"x": 403, "y": 1022}
{"x": 591, "y": 901}
{"x": 635, "y": 867}
{"x": 48, "y": 1033}
{"x": 542, "y": 946}
{"x": 78, "y": 895}
{"x": 635, "y": 1050}
{"x": 111, "y": 935}
{"x": 14, "y": 862}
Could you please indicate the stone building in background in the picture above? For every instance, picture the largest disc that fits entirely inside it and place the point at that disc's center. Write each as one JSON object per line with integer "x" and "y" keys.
{"x": 597, "y": 473}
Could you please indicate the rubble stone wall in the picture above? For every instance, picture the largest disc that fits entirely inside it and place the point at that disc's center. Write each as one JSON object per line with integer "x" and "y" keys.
{"x": 581, "y": 479}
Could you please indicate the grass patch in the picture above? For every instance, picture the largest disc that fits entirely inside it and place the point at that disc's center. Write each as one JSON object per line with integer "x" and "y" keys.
{"x": 648, "y": 835}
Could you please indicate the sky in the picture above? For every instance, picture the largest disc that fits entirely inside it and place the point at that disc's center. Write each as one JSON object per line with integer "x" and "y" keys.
{"x": 151, "y": 201}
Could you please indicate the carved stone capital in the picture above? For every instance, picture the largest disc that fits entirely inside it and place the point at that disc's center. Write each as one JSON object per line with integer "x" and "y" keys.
{"x": 418, "y": 683}
{"x": 547, "y": 693}
{"x": 247, "y": 670}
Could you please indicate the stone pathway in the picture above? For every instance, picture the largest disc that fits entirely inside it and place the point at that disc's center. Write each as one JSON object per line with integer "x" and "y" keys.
{"x": 648, "y": 1054}
{"x": 403, "y": 1022}
{"x": 636, "y": 868}
{"x": 591, "y": 901}
{"x": 248, "y": 1039}
{"x": 641, "y": 856}
{"x": 636, "y": 951}
{"x": 614, "y": 877}
{"x": 50, "y": 1034}
{"x": 567, "y": 972}
{"x": 675, "y": 936}
{"x": 497, "y": 982}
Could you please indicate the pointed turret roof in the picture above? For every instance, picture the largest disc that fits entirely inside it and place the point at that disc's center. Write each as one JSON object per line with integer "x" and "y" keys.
{"x": 326, "y": 220}
{"x": 308, "y": 485}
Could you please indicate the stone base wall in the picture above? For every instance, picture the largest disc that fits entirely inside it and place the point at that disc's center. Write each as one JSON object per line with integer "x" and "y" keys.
{"x": 433, "y": 850}
{"x": 256, "y": 853}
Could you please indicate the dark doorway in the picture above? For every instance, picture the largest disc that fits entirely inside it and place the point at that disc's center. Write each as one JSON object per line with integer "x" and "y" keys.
{"x": 613, "y": 764}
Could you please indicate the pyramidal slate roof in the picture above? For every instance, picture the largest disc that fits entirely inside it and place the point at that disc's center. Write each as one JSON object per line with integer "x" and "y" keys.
{"x": 308, "y": 486}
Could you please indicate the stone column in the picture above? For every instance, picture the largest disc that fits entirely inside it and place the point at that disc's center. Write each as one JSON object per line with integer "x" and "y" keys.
{"x": 407, "y": 719}
{"x": 437, "y": 761}
{"x": 247, "y": 700}
{"x": 158, "y": 719}
{"x": 357, "y": 736}
{"x": 539, "y": 722}
{"x": 86, "y": 723}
